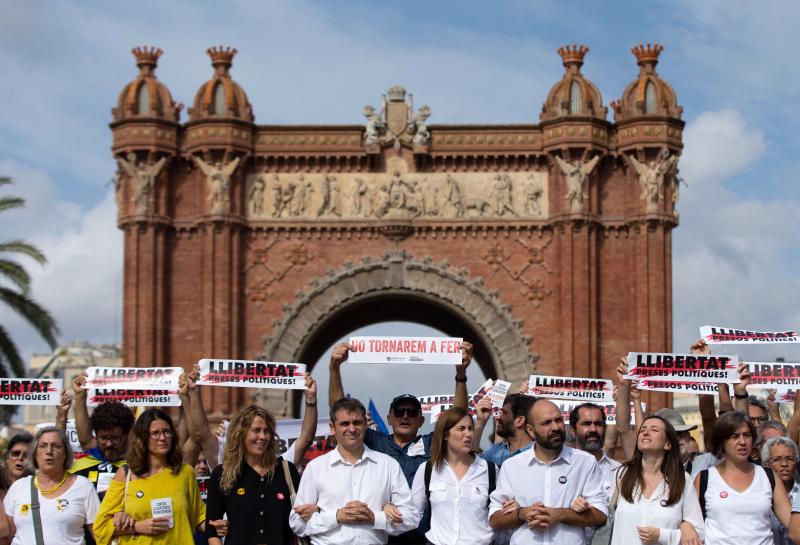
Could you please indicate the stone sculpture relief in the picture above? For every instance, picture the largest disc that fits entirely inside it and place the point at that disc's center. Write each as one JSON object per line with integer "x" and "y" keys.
{"x": 143, "y": 177}
{"x": 397, "y": 195}
{"x": 396, "y": 123}
{"x": 577, "y": 175}
{"x": 218, "y": 178}
{"x": 651, "y": 177}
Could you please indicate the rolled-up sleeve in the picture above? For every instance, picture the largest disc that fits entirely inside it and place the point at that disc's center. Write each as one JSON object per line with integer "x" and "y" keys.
{"x": 401, "y": 498}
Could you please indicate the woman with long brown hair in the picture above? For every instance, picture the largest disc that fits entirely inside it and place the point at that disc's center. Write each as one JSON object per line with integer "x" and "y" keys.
{"x": 154, "y": 499}
{"x": 456, "y": 483}
{"x": 251, "y": 486}
{"x": 653, "y": 492}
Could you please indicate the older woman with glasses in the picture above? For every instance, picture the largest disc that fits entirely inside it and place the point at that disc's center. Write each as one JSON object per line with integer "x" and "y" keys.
{"x": 153, "y": 499}
{"x": 780, "y": 454}
{"x": 54, "y": 506}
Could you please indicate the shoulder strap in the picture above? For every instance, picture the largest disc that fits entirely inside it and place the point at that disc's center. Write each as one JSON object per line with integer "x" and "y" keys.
{"x": 771, "y": 477}
{"x": 288, "y": 476}
{"x": 492, "y": 480}
{"x": 37, "y": 516}
{"x": 428, "y": 473}
{"x": 703, "y": 488}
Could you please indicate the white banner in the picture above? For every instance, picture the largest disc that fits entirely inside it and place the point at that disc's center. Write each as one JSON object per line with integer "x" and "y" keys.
{"x": 30, "y": 391}
{"x": 786, "y": 396}
{"x": 408, "y": 350}
{"x": 498, "y": 395}
{"x": 610, "y": 410}
{"x": 252, "y": 374}
{"x": 772, "y": 375}
{"x": 650, "y": 368}
{"x": 728, "y": 335}
{"x": 428, "y": 402}
{"x": 135, "y": 398}
{"x": 482, "y": 392}
{"x": 132, "y": 378}
{"x": 289, "y": 430}
{"x": 571, "y": 388}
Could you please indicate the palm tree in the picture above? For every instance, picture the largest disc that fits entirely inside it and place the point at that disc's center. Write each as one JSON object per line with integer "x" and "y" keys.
{"x": 17, "y": 296}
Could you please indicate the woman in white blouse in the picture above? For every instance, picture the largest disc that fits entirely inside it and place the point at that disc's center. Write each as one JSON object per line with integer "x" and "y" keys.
{"x": 459, "y": 485}
{"x": 655, "y": 498}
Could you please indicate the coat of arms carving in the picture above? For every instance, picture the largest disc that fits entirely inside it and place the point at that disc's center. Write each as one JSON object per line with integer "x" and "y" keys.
{"x": 396, "y": 124}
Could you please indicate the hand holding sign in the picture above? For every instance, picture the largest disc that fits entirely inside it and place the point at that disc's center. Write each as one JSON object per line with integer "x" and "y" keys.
{"x": 744, "y": 380}
{"x": 483, "y": 410}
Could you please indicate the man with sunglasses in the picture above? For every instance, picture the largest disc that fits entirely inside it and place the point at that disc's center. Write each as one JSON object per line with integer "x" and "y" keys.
{"x": 405, "y": 418}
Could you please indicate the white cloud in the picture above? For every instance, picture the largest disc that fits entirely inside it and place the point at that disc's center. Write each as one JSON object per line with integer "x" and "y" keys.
{"x": 729, "y": 250}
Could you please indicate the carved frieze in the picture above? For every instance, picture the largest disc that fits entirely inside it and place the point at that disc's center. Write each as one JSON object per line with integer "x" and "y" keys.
{"x": 397, "y": 195}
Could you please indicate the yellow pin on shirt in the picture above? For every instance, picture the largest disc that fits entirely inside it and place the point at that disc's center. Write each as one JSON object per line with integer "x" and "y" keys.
{"x": 93, "y": 476}
{"x": 240, "y": 491}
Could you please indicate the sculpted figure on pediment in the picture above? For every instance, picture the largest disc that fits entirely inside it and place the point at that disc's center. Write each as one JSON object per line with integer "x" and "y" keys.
{"x": 218, "y": 178}
{"x": 577, "y": 175}
{"x": 501, "y": 195}
{"x": 372, "y": 133}
{"x": 432, "y": 209}
{"x": 360, "y": 198}
{"x": 422, "y": 136}
{"x": 651, "y": 176}
{"x": 381, "y": 204}
{"x": 277, "y": 196}
{"x": 454, "y": 196}
{"x": 255, "y": 197}
{"x": 331, "y": 197}
{"x": 305, "y": 194}
{"x": 143, "y": 177}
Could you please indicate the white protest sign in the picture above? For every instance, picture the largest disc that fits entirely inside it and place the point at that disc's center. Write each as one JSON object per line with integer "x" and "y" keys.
{"x": 135, "y": 398}
{"x": 202, "y": 485}
{"x": 571, "y": 388}
{"x": 437, "y": 410}
{"x": 482, "y": 392}
{"x": 772, "y": 375}
{"x": 408, "y": 350}
{"x": 786, "y": 396}
{"x": 498, "y": 395}
{"x": 428, "y": 402}
{"x": 30, "y": 391}
{"x": 610, "y": 410}
{"x": 289, "y": 430}
{"x": 162, "y": 507}
{"x": 654, "y": 370}
{"x": 730, "y": 335}
{"x": 252, "y": 374}
{"x": 132, "y": 378}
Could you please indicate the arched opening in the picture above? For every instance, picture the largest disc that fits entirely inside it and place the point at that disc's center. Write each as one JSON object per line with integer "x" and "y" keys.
{"x": 219, "y": 99}
{"x": 649, "y": 98}
{"x": 143, "y": 99}
{"x": 575, "y": 97}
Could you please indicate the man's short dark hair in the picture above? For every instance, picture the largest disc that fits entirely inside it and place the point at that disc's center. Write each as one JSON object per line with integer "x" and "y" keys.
{"x": 347, "y": 404}
{"x": 111, "y": 414}
{"x": 23, "y": 437}
{"x": 575, "y": 413}
{"x": 520, "y": 404}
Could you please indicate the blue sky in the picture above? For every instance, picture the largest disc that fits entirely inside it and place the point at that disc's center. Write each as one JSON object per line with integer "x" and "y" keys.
{"x": 735, "y": 253}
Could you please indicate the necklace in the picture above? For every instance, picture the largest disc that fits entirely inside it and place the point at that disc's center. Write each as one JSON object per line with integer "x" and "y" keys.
{"x": 50, "y": 491}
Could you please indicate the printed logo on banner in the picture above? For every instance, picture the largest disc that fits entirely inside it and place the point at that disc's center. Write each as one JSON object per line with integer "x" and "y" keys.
{"x": 30, "y": 391}
{"x": 571, "y": 388}
{"x": 252, "y": 374}
{"x": 691, "y": 373}
{"x": 135, "y": 398}
{"x": 132, "y": 378}
{"x": 730, "y": 335}
{"x": 406, "y": 350}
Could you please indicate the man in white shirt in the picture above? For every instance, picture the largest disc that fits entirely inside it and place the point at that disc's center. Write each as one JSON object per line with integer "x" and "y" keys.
{"x": 350, "y": 485}
{"x": 588, "y": 424}
{"x": 544, "y": 481}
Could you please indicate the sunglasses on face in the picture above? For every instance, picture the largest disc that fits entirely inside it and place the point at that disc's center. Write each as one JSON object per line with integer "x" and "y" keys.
{"x": 400, "y": 412}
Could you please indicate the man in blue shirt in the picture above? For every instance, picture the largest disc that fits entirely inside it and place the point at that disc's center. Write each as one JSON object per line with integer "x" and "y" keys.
{"x": 405, "y": 419}
{"x": 510, "y": 426}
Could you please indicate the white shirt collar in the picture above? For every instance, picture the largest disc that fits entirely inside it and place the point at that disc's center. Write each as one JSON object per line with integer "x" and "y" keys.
{"x": 565, "y": 455}
{"x": 336, "y": 457}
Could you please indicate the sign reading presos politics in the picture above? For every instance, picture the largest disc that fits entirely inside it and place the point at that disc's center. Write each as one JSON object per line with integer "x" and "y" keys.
{"x": 135, "y": 397}
{"x": 772, "y": 375}
{"x": 571, "y": 388}
{"x": 30, "y": 391}
{"x": 729, "y": 335}
{"x": 611, "y": 410}
{"x": 132, "y": 378}
{"x": 652, "y": 367}
{"x": 413, "y": 350}
{"x": 252, "y": 374}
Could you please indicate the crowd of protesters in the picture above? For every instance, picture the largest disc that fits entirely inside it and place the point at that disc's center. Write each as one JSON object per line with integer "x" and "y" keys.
{"x": 545, "y": 479}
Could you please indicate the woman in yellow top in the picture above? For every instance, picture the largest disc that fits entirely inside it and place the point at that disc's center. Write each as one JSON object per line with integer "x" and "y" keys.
{"x": 155, "y": 498}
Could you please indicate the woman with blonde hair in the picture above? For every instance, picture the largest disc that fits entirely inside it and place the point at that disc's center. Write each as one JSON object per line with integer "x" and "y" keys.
{"x": 251, "y": 485}
{"x": 154, "y": 499}
{"x": 456, "y": 483}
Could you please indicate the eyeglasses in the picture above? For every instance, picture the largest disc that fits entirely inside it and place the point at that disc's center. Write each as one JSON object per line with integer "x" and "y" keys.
{"x": 44, "y": 447}
{"x": 408, "y": 411}
{"x": 110, "y": 438}
{"x": 18, "y": 453}
{"x": 158, "y": 433}
{"x": 758, "y": 419}
{"x": 782, "y": 460}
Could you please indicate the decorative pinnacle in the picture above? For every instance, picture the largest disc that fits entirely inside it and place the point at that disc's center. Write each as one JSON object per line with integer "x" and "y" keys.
{"x": 221, "y": 56}
{"x": 647, "y": 54}
{"x": 573, "y": 54}
{"x": 146, "y": 57}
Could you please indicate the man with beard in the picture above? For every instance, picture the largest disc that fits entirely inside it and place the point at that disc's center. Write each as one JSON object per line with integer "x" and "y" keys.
{"x": 510, "y": 424}
{"x": 587, "y": 422}
{"x": 545, "y": 481}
